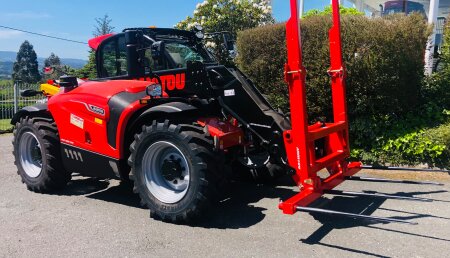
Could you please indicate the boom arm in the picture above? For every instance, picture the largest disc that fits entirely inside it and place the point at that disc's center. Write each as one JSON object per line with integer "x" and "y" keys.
{"x": 300, "y": 140}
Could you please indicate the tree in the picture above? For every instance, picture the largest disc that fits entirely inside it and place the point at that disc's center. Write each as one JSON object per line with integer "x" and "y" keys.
{"x": 103, "y": 26}
{"x": 445, "y": 56}
{"x": 328, "y": 10}
{"x": 26, "y": 66}
{"x": 89, "y": 70}
{"x": 228, "y": 15}
{"x": 231, "y": 16}
{"x": 65, "y": 69}
{"x": 53, "y": 61}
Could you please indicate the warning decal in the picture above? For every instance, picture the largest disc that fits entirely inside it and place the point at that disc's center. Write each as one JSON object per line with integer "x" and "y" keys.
{"x": 77, "y": 121}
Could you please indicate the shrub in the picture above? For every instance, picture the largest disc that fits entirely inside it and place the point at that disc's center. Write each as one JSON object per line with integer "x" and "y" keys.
{"x": 384, "y": 61}
{"x": 429, "y": 146}
{"x": 437, "y": 86}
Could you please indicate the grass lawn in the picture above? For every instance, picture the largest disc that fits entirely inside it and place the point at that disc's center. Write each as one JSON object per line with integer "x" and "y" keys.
{"x": 6, "y": 82}
{"x": 5, "y": 125}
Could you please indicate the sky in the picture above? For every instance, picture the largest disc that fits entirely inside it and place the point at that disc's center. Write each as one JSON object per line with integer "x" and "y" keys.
{"x": 75, "y": 20}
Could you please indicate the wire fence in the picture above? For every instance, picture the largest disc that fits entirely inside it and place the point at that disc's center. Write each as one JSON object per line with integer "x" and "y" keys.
{"x": 11, "y": 102}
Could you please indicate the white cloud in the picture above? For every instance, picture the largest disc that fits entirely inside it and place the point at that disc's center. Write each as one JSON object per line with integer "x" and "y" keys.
{"x": 9, "y": 34}
{"x": 24, "y": 15}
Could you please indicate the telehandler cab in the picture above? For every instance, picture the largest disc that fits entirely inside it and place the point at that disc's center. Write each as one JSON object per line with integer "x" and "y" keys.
{"x": 166, "y": 115}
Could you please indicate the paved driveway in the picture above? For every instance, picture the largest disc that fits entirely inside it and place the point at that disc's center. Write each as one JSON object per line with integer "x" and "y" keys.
{"x": 102, "y": 218}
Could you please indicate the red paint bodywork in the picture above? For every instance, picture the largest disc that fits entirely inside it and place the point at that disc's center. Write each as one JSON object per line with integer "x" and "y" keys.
{"x": 224, "y": 133}
{"x": 95, "y": 42}
{"x": 93, "y": 135}
{"x": 300, "y": 140}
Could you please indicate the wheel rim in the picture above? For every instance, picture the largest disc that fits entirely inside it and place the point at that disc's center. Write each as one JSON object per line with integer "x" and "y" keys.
{"x": 166, "y": 172}
{"x": 30, "y": 154}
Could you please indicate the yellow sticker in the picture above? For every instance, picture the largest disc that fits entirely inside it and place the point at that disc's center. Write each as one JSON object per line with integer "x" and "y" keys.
{"x": 77, "y": 121}
{"x": 98, "y": 121}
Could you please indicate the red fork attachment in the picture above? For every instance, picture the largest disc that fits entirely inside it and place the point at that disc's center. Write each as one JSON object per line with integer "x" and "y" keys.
{"x": 300, "y": 140}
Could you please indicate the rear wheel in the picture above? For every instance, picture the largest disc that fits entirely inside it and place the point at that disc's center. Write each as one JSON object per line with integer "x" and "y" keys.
{"x": 37, "y": 154}
{"x": 173, "y": 170}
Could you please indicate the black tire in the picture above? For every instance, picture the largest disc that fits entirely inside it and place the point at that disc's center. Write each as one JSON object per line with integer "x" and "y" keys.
{"x": 197, "y": 150}
{"x": 52, "y": 175}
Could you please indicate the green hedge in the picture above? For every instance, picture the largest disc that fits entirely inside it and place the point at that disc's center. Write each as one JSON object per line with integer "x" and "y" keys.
{"x": 395, "y": 112}
{"x": 384, "y": 59}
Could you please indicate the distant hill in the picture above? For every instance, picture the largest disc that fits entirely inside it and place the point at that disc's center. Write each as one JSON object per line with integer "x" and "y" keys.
{"x": 7, "y": 59}
{"x": 6, "y": 69}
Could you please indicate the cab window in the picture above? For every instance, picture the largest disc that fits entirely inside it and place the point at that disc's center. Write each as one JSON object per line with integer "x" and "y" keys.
{"x": 113, "y": 58}
{"x": 154, "y": 65}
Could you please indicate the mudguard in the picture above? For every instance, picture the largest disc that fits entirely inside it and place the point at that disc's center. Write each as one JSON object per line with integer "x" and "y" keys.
{"x": 171, "y": 107}
{"x": 165, "y": 108}
{"x": 37, "y": 108}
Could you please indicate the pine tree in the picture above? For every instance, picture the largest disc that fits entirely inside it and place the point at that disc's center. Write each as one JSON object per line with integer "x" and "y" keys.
{"x": 26, "y": 65}
{"x": 89, "y": 70}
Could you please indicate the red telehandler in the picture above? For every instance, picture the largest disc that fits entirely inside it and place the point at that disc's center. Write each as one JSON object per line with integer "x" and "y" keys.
{"x": 167, "y": 116}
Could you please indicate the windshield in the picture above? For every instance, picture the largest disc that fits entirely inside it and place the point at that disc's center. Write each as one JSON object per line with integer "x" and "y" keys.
{"x": 182, "y": 52}
{"x": 178, "y": 52}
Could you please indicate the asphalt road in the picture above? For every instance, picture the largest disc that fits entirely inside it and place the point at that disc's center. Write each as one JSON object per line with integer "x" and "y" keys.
{"x": 95, "y": 218}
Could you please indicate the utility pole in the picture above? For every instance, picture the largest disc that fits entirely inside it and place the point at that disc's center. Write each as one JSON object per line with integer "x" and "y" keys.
{"x": 429, "y": 52}
{"x": 301, "y": 8}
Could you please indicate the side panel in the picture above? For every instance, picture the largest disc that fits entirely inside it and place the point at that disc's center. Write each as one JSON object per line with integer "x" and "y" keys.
{"x": 89, "y": 163}
{"x": 82, "y": 122}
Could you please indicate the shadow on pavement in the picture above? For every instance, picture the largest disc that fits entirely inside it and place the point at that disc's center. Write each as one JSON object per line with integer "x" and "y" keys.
{"x": 236, "y": 210}
{"x": 232, "y": 212}
{"x": 83, "y": 185}
{"x": 359, "y": 205}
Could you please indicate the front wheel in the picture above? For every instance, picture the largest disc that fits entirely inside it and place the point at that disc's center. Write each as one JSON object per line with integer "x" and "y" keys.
{"x": 173, "y": 170}
{"x": 37, "y": 154}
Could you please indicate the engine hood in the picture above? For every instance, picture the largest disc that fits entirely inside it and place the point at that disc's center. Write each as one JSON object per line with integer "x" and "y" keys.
{"x": 108, "y": 89}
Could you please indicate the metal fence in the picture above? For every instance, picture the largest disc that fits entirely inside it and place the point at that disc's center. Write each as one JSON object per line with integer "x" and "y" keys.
{"x": 11, "y": 102}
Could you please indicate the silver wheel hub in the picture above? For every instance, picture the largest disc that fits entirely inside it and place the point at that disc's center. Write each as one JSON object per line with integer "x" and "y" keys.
{"x": 30, "y": 153}
{"x": 166, "y": 172}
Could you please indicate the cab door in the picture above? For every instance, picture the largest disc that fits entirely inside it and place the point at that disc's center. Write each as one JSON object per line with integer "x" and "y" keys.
{"x": 112, "y": 58}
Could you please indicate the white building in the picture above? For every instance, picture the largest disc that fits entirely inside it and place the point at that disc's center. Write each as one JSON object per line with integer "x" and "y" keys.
{"x": 436, "y": 12}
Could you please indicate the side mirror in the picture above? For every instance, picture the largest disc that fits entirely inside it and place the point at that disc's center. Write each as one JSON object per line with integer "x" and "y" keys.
{"x": 29, "y": 93}
{"x": 158, "y": 49}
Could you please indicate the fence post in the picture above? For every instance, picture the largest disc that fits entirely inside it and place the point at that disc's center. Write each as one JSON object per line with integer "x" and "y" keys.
{"x": 16, "y": 97}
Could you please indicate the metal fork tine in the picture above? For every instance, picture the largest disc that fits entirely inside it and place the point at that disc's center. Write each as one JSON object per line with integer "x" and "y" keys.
{"x": 353, "y": 215}
{"x": 379, "y": 195}
{"x": 372, "y": 179}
